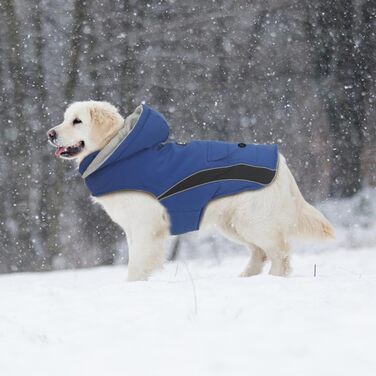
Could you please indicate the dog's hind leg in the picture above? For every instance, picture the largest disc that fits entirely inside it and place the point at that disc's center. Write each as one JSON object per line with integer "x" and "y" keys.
{"x": 258, "y": 256}
{"x": 279, "y": 256}
{"x": 280, "y": 265}
{"x": 255, "y": 263}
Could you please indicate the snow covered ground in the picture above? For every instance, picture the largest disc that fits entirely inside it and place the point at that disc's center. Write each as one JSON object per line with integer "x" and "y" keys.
{"x": 194, "y": 318}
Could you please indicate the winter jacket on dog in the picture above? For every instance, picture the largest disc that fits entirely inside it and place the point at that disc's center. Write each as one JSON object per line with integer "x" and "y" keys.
{"x": 183, "y": 177}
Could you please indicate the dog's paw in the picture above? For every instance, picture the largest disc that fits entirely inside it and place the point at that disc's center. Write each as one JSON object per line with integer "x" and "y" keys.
{"x": 248, "y": 273}
{"x": 134, "y": 276}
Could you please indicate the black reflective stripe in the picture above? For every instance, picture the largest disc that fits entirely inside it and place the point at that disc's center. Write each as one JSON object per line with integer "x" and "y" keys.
{"x": 253, "y": 174}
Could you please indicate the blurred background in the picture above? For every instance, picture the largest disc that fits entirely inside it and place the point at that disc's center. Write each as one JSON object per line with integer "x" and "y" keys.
{"x": 297, "y": 73}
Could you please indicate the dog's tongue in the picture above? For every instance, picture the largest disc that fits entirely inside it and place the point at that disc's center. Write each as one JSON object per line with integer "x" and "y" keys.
{"x": 59, "y": 150}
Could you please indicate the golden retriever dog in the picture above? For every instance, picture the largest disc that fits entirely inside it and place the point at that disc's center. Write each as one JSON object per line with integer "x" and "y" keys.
{"x": 263, "y": 220}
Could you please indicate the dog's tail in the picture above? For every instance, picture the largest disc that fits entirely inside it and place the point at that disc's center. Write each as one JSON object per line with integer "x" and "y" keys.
{"x": 311, "y": 223}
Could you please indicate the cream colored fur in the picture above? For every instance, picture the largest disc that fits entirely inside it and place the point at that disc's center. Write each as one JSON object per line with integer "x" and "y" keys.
{"x": 263, "y": 220}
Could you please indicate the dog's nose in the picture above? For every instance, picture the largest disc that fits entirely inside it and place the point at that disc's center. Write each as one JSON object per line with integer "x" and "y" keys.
{"x": 51, "y": 135}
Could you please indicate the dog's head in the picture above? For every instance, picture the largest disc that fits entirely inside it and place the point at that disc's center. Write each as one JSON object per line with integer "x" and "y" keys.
{"x": 87, "y": 127}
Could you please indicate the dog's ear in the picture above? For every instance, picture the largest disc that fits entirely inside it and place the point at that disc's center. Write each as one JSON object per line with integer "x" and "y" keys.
{"x": 105, "y": 123}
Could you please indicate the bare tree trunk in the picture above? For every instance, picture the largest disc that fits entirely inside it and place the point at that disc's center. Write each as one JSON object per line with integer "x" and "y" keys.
{"x": 339, "y": 70}
{"x": 346, "y": 113}
{"x": 128, "y": 65}
{"x": 367, "y": 53}
{"x": 5, "y": 236}
{"x": 75, "y": 48}
{"x": 46, "y": 242}
{"x": 17, "y": 149}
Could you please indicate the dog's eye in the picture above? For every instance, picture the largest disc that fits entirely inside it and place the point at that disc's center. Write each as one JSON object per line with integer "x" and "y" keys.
{"x": 77, "y": 121}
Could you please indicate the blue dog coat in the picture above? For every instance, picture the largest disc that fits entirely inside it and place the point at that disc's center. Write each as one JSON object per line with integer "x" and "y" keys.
{"x": 183, "y": 177}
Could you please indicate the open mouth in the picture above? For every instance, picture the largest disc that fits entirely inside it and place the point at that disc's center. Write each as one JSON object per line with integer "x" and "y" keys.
{"x": 69, "y": 151}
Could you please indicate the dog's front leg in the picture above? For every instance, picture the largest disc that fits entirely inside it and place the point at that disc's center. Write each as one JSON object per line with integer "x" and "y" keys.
{"x": 146, "y": 253}
{"x": 146, "y": 224}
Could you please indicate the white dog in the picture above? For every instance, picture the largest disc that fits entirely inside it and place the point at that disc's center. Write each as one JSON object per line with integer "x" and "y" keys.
{"x": 264, "y": 220}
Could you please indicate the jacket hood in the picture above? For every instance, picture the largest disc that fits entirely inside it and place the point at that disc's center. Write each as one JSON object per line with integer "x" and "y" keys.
{"x": 147, "y": 129}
